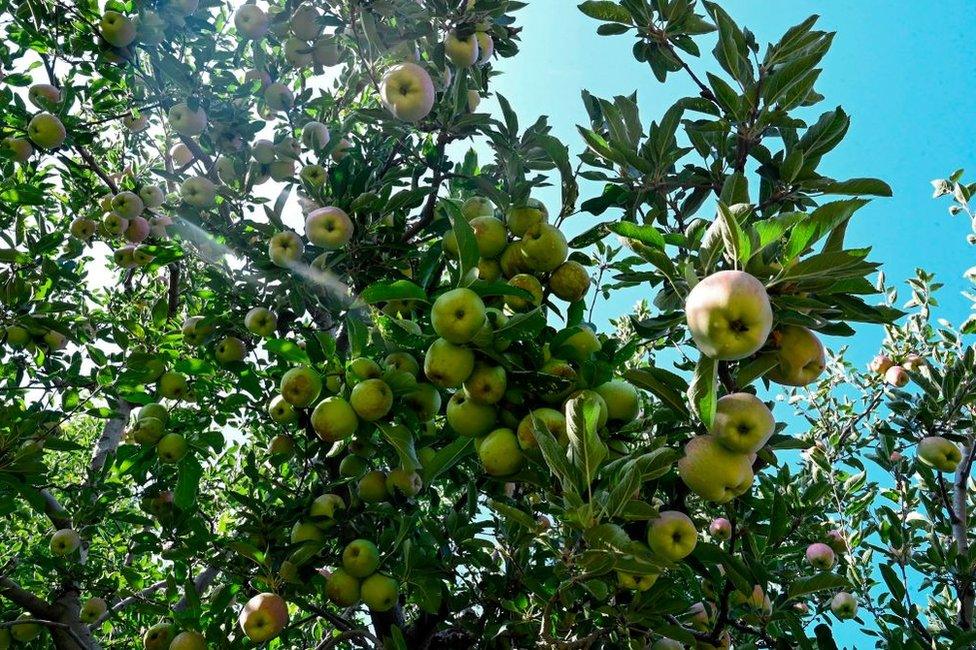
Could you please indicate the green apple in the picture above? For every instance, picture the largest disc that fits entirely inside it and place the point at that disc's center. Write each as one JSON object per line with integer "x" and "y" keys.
{"x": 491, "y": 236}
{"x": 527, "y": 283}
{"x": 486, "y": 385}
{"x": 402, "y": 361}
{"x": 304, "y": 22}
{"x": 372, "y": 399}
{"x": 447, "y": 365}
{"x": 403, "y": 481}
{"x": 713, "y": 472}
{"x": 729, "y": 315}
{"x": 306, "y": 532}
{"x": 352, "y": 466}
{"x": 286, "y": 248}
{"x": 604, "y": 413}
{"x": 342, "y": 588}
{"x": 172, "y": 385}
{"x": 189, "y": 640}
{"x": 570, "y": 281}
{"x": 158, "y": 637}
{"x": 92, "y": 610}
{"x": 372, "y": 487}
{"x": 154, "y": 410}
{"x": 125, "y": 257}
{"x": 621, "y": 398}
{"x": 500, "y": 453}
{"x": 407, "y": 92}
{"x": 325, "y": 51}
{"x": 940, "y": 453}
{"x": 282, "y": 445}
{"x": 477, "y": 206}
{"x": 148, "y": 431}
{"x": 468, "y": 418}
{"x": 489, "y": 270}
{"x": 251, "y": 22}
{"x": 278, "y": 97}
{"x": 379, "y": 592}
{"x": 152, "y": 196}
{"x": 25, "y": 632}
{"x": 544, "y": 248}
{"x": 672, "y": 535}
{"x": 136, "y": 124}
{"x": 113, "y": 224}
{"x": 181, "y": 155}
{"x": 171, "y": 448}
{"x": 298, "y": 53}
{"x": 230, "y": 350}
{"x": 315, "y": 176}
{"x": 362, "y": 368}
{"x": 196, "y": 329}
{"x": 743, "y": 423}
{"x": 315, "y": 135}
{"x": 329, "y": 228}
{"x": 820, "y": 556}
{"x": 19, "y": 149}
{"x": 360, "y": 558}
{"x": 457, "y": 315}
{"x": 551, "y": 419}
{"x": 424, "y": 400}
{"x": 227, "y": 170}
{"x": 264, "y": 617}
{"x": 462, "y": 52}
{"x": 843, "y": 605}
{"x": 261, "y": 322}
{"x": 17, "y": 337}
{"x": 635, "y": 582}
{"x": 325, "y": 507}
{"x": 301, "y": 386}
{"x": 521, "y": 218}
{"x": 580, "y": 345}
{"x": 44, "y": 95}
{"x": 187, "y": 121}
{"x": 564, "y": 380}
{"x": 46, "y": 131}
{"x": 65, "y": 541}
{"x": 281, "y": 411}
{"x": 127, "y": 204}
{"x": 800, "y": 355}
{"x": 264, "y": 152}
{"x": 282, "y": 170}
{"x": 117, "y": 30}
{"x": 198, "y": 191}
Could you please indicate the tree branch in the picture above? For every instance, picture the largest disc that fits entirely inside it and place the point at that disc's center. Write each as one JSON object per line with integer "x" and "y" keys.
{"x": 125, "y": 602}
{"x": 111, "y": 437}
{"x": 51, "y": 624}
{"x": 23, "y": 598}
{"x": 960, "y": 530}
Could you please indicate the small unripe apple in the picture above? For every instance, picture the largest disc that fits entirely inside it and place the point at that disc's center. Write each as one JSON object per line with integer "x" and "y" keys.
{"x": 188, "y": 640}
{"x": 403, "y": 481}
{"x": 117, "y": 30}
{"x": 298, "y": 53}
{"x": 65, "y": 541}
{"x": 486, "y": 47}
{"x": 82, "y": 228}
{"x": 522, "y": 218}
{"x": 800, "y": 354}
{"x": 325, "y": 51}
{"x": 447, "y": 365}
{"x": 171, "y": 448}
{"x": 325, "y": 508}
{"x": 329, "y": 228}
{"x": 46, "y": 131}
{"x": 181, "y": 155}
{"x": 261, "y": 322}
{"x": 172, "y": 385}
{"x": 152, "y": 196}
{"x": 720, "y": 528}
{"x": 372, "y": 399}
{"x": 198, "y": 191}
{"x": 500, "y": 453}
{"x": 286, "y": 248}
{"x": 570, "y": 281}
{"x": 136, "y": 124}
{"x": 282, "y": 445}
{"x": 187, "y": 121}
{"x": 940, "y": 453}
{"x": 528, "y": 283}
{"x": 407, "y": 92}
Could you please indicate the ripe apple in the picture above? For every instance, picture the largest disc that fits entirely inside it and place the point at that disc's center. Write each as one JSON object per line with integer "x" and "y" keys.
{"x": 713, "y": 472}
{"x": 800, "y": 354}
{"x": 487, "y": 384}
{"x": 360, "y": 558}
{"x": 468, "y": 418}
{"x": 230, "y": 350}
{"x": 672, "y": 535}
{"x": 621, "y": 398}
{"x": 171, "y": 448}
{"x": 342, "y": 589}
{"x": 447, "y": 365}
{"x": 65, "y": 541}
{"x": 116, "y": 29}
{"x": 544, "y": 247}
{"x": 407, "y": 92}
{"x": 528, "y": 283}
{"x": 172, "y": 385}
{"x": 44, "y": 95}
{"x": 404, "y": 481}
{"x": 729, "y": 315}
{"x": 189, "y": 640}
{"x": 462, "y": 52}
{"x": 820, "y": 556}
{"x": 181, "y": 155}
{"x": 491, "y": 236}
{"x": 720, "y": 529}
{"x": 880, "y": 364}
{"x": 158, "y": 637}
{"x": 743, "y": 423}
{"x": 278, "y": 97}
{"x": 264, "y": 617}
{"x": 329, "y": 228}
{"x": 19, "y": 149}
{"x": 486, "y": 47}
{"x": 372, "y": 487}
{"x": 198, "y": 191}
{"x": 251, "y": 22}
{"x": 261, "y": 322}
{"x": 940, "y": 453}
{"x": 379, "y": 592}
{"x": 551, "y": 419}
{"x": 371, "y": 399}
{"x": 286, "y": 248}
{"x": 521, "y": 218}
{"x": 570, "y": 281}
{"x": 896, "y": 376}
{"x": 500, "y": 453}
{"x": 458, "y": 315}
{"x": 187, "y": 121}
{"x": 843, "y": 605}
{"x": 46, "y": 131}
{"x": 92, "y": 610}
{"x": 301, "y": 386}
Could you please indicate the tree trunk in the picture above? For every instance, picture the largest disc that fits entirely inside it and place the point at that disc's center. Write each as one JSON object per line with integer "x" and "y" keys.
{"x": 960, "y": 533}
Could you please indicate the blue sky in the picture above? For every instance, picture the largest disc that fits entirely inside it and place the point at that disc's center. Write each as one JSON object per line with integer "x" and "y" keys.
{"x": 899, "y": 68}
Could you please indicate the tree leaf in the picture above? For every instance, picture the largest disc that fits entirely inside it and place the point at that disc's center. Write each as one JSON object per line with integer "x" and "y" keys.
{"x": 703, "y": 391}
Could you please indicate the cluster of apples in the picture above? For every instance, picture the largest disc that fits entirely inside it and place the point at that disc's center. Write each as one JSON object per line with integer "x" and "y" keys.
{"x": 358, "y": 579}
{"x": 165, "y": 636}
{"x": 20, "y": 337}
{"x": 128, "y": 216}
{"x": 149, "y": 430}
{"x": 896, "y": 374}
{"x": 44, "y": 130}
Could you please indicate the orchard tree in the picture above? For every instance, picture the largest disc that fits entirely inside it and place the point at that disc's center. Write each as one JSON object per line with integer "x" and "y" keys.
{"x": 285, "y": 363}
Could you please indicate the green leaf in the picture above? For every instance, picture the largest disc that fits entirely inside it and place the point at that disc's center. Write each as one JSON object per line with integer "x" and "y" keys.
{"x": 188, "y": 483}
{"x": 287, "y": 351}
{"x": 703, "y": 391}
{"x": 446, "y": 458}
{"x": 586, "y": 450}
{"x": 605, "y": 10}
{"x": 402, "y": 440}
{"x": 819, "y": 582}
{"x": 395, "y": 290}
{"x": 645, "y": 234}
{"x": 666, "y": 386}
{"x": 858, "y": 187}
{"x": 467, "y": 244}
{"x": 513, "y": 514}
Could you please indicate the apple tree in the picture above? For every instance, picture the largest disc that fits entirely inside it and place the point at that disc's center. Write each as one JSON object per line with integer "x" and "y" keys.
{"x": 286, "y": 362}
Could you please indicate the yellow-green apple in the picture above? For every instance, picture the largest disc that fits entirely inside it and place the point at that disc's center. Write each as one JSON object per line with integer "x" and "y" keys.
{"x": 152, "y": 196}
{"x": 729, "y": 315}
{"x": 371, "y": 399}
{"x": 487, "y": 384}
{"x": 181, "y": 155}
{"x": 127, "y": 204}
{"x": 550, "y": 419}
{"x": 636, "y": 582}
{"x": 114, "y": 224}
{"x": 404, "y": 481}
{"x": 372, "y": 487}
{"x": 743, "y": 423}
{"x": 329, "y": 228}
{"x": 281, "y": 170}
{"x": 117, "y": 30}
{"x": 342, "y": 588}
{"x": 621, "y": 398}
{"x": 672, "y": 535}
{"x": 187, "y": 121}
{"x": 282, "y": 445}
{"x": 940, "y": 453}
{"x": 500, "y": 453}
{"x": 407, "y": 92}
{"x": 306, "y": 532}
{"x": 173, "y": 385}
{"x": 325, "y": 51}
{"x": 264, "y": 617}
{"x": 570, "y": 281}
{"x": 198, "y": 191}
{"x": 196, "y": 329}
{"x": 158, "y": 637}
{"x": 143, "y": 254}
{"x": 880, "y": 364}
{"x": 315, "y": 135}
{"x": 314, "y": 175}
{"x": 19, "y": 149}
{"x": 489, "y": 270}
{"x": 528, "y": 283}
{"x": 125, "y": 257}
{"x": 713, "y": 472}
{"x": 82, "y": 228}
{"x": 278, "y": 97}
{"x": 800, "y": 355}
{"x": 447, "y": 365}
{"x": 468, "y": 418}
{"x": 251, "y": 22}
{"x": 148, "y": 431}
{"x": 580, "y": 345}
{"x": 486, "y": 47}
{"x": 520, "y": 218}
{"x": 46, "y": 131}
{"x": 230, "y": 350}
{"x": 286, "y": 248}
{"x": 264, "y": 152}
{"x": 603, "y": 415}
{"x": 913, "y": 362}
{"x": 44, "y": 95}
{"x": 298, "y": 53}
{"x": 360, "y": 558}
{"x": 477, "y": 206}
{"x": 843, "y": 605}
{"x": 92, "y": 610}
{"x": 567, "y": 376}
{"x": 820, "y": 556}
{"x": 462, "y": 52}
{"x": 189, "y": 640}
{"x": 301, "y": 386}
{"x": 379, "y": 592}
{"x": 281, "y": 411}
{"x": 491, "y": 236}
{"x": 325, "y": 507}
{"x": 896, "y": 376}
{"x": 474, "y": 100}
{"x": 171, "y": 448}
{"x": 362, "y": 368}
{"x": 54, "y": 340}
{"x": 720, "y": 529}
{"x": 136, "y": 124}
{"x": 424, "y": 400}
{"x": 304, "y": 22}
{"x": 154, "y": 410}
{"x": 25, "y": 632}
{"x": 335, "y": 419}
{"x": 65, "y": 541}
{"x": 667, "y": 643}
{"x": 17, "y": 337}
{"x": 261, "y": 322}
{"x": 544, "y": 247}
{"x": 402, "y": 361}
